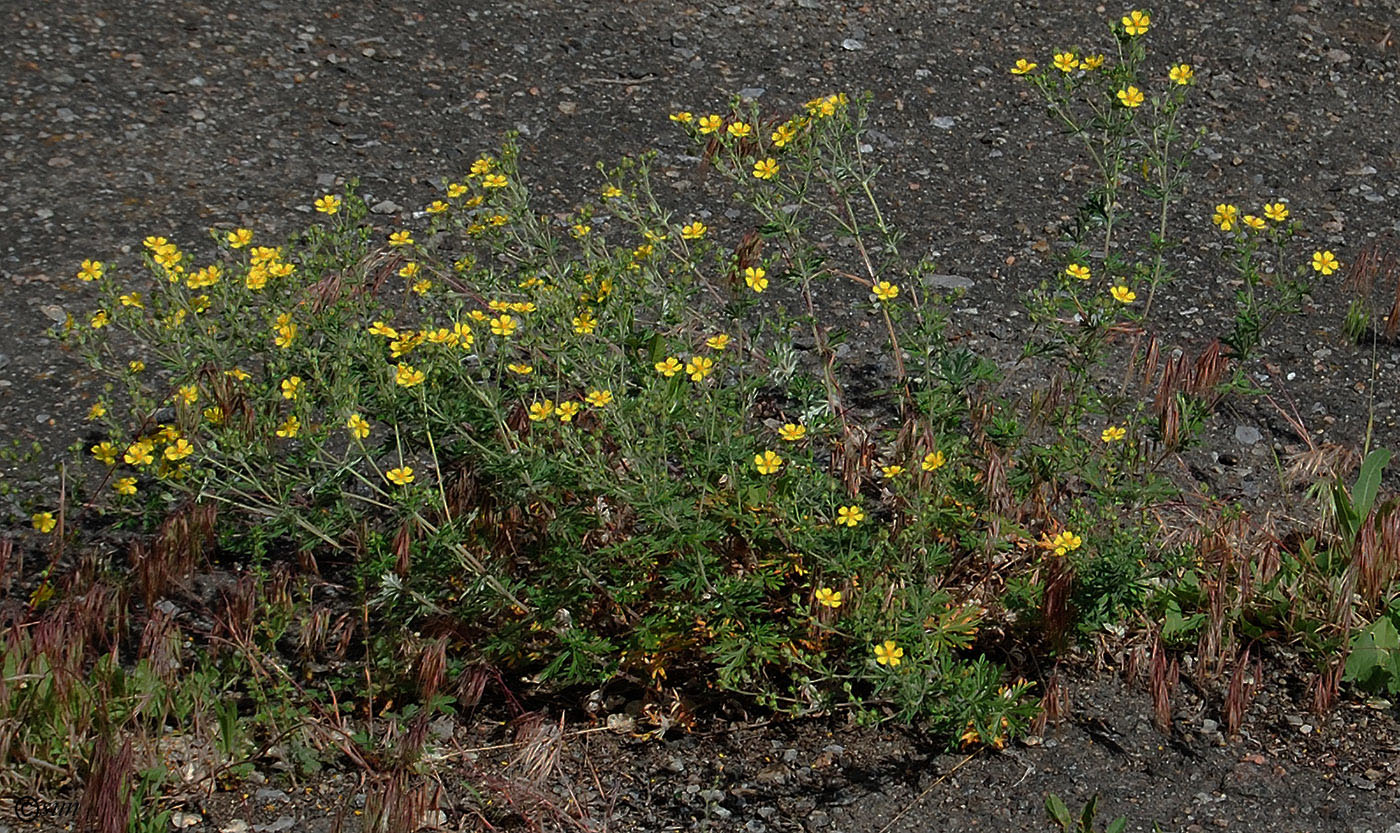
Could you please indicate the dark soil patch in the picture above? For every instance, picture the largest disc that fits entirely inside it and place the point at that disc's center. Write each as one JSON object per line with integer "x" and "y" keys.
{"x": 167, "y": 117}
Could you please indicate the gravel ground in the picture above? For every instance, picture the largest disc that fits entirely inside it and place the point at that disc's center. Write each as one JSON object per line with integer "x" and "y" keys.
{"x": 125, "y": 119}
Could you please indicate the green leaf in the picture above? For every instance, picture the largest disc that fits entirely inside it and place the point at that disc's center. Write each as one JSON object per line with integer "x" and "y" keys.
{"x": 1086, "y": 819}
{"x": 1363, "y": 494}
{"x": 1117, "y": 825}
{"x": 1058, "y": 811}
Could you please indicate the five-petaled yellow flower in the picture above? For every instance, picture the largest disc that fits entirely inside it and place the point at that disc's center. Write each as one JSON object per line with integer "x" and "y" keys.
{"x": 710, "y": 123}
{"x": 1276, "y": 211}
{"x": 504, "y": 326}
{"x": 568, "y": 410}
{"x": 125, "y": 486}
{"x": 1325, "y": 262}
{"x": 401, "y": 238}
{"x": 1225, "y": 216}
{"x": 482, "y": 166}
{"x": 358, "y": 426}
{"x": 739, "y": 130}
{"x": 540, "y": 411}
{"x": 718, "y": 341}
{"x": 767, "y": 462}
{"x": 240, "y": 237}
{"x": 436, "y": 207}
{"x": 1136, "y": 23}
{"x": 106, "y": 453}
{"x": 754, "y": 276}
{"x": 668, "y": 368}
{"x": 612, "y": 192}
{"x": 889, "y": 653}
{"x": 401, "y": 476}
{"x": 1022, "y": 67}
{"x": 139, "y": 454}
{"x": 585, "y": 323}
{"x": 599, "y": 398}
{"x": 44, "y": 522}
{"x": 1113, "y": 434}
{"x": 1077, "y": 270}
{"x": 1130, "y": 97}
{"x": 188, "y": 393}
{"x": 850, "y": 515}
{"x": 406, "y": 375}
{"x": 1256, "y": 223}
{"x": 97, "y": 410}
{"x": 891, "y": 471}
{"x": 179, "y": 450}
{"x": 1062, "y": 543}
{"x": 1092, "y": 62}
{"x": 693, "y": 231}
{"x": 933, "y": 461}
{"x": 1182, "y": 74}
{"x": 329, "y": 204}
{"x": 1066, "y": 61}
{"x": 699, "y": 367}
{"x": 885, "y": 291}
{"x": 455, "y": 190}
{"x": 91, "y": 270}
{"x": 829, "y": 598}
{"x": 792, "y": 432}
{"x": 683, "y": 117}
{"x": 522, "y": 369}
{"x": 379, "y": 328}
{"x": 765, "y": 168}
{"x": 291, "y": 387}
{"x": 493, "y": 181}
{"x": 1123, "y": 294}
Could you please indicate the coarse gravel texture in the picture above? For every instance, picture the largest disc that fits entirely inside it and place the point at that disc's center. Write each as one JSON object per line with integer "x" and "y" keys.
{"x": 124, "y": 119}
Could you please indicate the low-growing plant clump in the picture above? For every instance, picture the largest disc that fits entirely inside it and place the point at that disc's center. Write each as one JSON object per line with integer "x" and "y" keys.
{"x": 622, "y": 450}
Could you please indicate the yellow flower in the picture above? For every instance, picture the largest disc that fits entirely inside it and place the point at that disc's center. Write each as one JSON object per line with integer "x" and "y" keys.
{"x": 1092, "y": 62}
{"x": 889, "y": 653}
{"x": 522, "y": 369}
{"x": 214, "y": 414}
{"x": 891, "y": 471}
{"x": 285, "y": 334}
{"x": 1325, "y": 262}
{"x": 503, "y": 326}
{"x": 668, "y": 368}
{"x": 105, "y": 453}
{"x": 791, "y": 432}
{"x": 463, "y": 332}
{"x": 291, "y": 386}
{"x": 568, "y": 410}
{"x": 482, "y": 166}
{"x": 829, "y": 598}
{"x": 257, "y": 278}
{"x": 494, "y": 181}
{"x": 783, "y": 136}
{"x": 379, "y": 328}
{"x": 754, "y": 277}
{"x": 136, "y": 366}
{"x": 455, "y": 190}
{"x": 1276, "y": 211}
{"x": 1225, "y": 216}
{"x": 1076, "y": 270}
{"x": 580, "y": 230}
{"x": 765, "y": 168}
{"x": 405, "y": 375}
{"x": 265, "y": 254}
{"x": 329, "y": 204}
{"x": 132, "y": 300}
{"x": 933, "y": 461}
{"x": 239, "y": 237}
{"x": 885, "y": 291}
{"x": 125, "y": 486}
{"x": 585, "y": 323}
{"x": 611, "y": 192}
{"x": 1022, "y": 67}
{"x": 100, "y": 319}
{"x": 1256, "y": 223}
{"x": 850, "y": 515}
{"x": 91, "y": 270}
{"x": 138, "y": 454}
{"x": 599, "y": 398}
{"x": 188, "y": 393}
{"x": 409, "y": 270}
{"x": 699, "y": 367}
{"x": 1136, "y": 23}
{"x": 739, "y": 130}
{"x": 179, "y": 450}
{"x": 540, "y": 411}
{"x": 358, "y": 426}
{"x": 421, "y": 287}
{"x": 693, "y": 231}
{"x": 1130, "y": 97}
{"x": 97, "y": 410}
{"x": 1066, "y": 62}
{"x": 402, "y": 476}
{"x": 289, "y": 428}
{"x": 1123, "y": 294}
{"x": 1182, "y": 74}
{"x": 767, "y": 462}
{"x": 153, "y": 243}
{"x": 710, "y": 123}
{"x": 401, "y": 238}
{"x": 1113, "y": 434}
{"x": 436, "y": 207}
{"x": 717, "y": 342}
{"x": 44, "y": 522}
